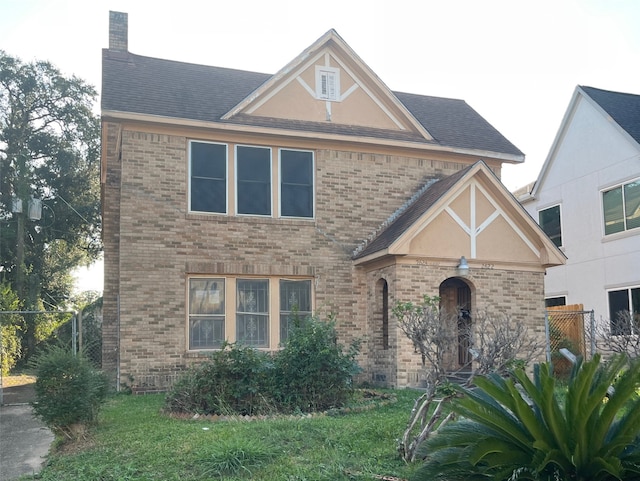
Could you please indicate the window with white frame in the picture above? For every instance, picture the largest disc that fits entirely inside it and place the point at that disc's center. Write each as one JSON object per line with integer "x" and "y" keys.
{"x": 328, "y": 83}
{"x": 206, "y": 313}
{"x": 252, "y": 311}
{"x": 295, "y": 302}
{"x": 550, "y": 221}
{"x": 207, "y": 177}
{"x": 253, "y": 180}
{"x": 624, "y": 311}
{"x": 296, "y": 183}
{"x": 621, "y": 207}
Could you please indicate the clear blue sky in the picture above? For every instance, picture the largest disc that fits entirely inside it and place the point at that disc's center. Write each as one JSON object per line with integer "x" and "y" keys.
{"x": 516, "y": 62}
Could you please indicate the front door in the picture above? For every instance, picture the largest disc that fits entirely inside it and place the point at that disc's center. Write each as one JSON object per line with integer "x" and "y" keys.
{"x": 455, "y": 298}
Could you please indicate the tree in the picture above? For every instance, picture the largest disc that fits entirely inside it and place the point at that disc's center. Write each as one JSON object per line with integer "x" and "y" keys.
{"x": 522, "y": 428}
{"x": 495, "y": 341}
{"x": 49, "y": 151}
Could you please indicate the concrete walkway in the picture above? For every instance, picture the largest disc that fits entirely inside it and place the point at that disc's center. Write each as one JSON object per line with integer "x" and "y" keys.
{"x": 24, "y": 440}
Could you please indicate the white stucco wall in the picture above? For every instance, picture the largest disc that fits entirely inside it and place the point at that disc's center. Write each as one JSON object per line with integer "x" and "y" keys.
{"x": 591, "y": 154}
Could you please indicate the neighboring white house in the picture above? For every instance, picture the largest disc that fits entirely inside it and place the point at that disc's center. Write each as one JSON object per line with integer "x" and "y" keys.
{"x": 587, "y": 199}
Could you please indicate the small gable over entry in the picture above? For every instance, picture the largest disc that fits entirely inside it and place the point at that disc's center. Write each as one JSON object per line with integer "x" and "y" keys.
{"x": 468, "y": 214}
{"x": 419, "y": 251}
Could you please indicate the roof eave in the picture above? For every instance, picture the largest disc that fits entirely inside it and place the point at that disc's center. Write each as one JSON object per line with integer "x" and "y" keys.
{"x": 182, "y": 122}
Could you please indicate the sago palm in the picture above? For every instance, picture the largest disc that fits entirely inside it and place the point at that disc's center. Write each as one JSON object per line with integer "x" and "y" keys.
{"x": 528, "y": 428}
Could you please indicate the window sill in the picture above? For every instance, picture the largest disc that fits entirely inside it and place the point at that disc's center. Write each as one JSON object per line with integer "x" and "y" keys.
{"x": 621, "y": 235}
{"x": 246, "y": 219}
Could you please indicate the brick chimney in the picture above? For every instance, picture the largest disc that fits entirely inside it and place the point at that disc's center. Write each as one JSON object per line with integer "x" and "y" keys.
{"x": 118, "y": 31}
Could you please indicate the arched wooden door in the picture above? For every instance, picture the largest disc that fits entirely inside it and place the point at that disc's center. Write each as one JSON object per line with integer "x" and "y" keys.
{"x": 455, "y": 301}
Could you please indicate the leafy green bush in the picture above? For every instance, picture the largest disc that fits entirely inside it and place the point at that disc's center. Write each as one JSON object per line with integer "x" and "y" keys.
{"x": 233, "y": 381}
{"x": 312, "y": 372}
{"x": 11, "y": 326}
{"x": 521, "y": 428}
{"x": 69, "y": 390}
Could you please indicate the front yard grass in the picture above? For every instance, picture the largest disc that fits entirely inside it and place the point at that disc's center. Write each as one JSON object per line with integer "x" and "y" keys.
{"x": 134, "y": 441}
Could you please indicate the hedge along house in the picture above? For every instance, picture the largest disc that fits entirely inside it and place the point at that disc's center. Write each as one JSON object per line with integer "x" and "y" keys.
{"x": 232, "y": 198}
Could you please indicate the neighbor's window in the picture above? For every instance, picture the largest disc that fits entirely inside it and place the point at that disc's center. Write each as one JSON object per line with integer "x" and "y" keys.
{"x": 206, "y": 313}
{"x": 624, "y": 311}
{"x": 296, "y": 183}
{"x": 208, "y": 177}
{"x": 252, "y": 312}
{"x": 295, "y": 300}
{"x": 621, "y": 207}
{"x": 555, "y": 301}
{"x": 549, "y": 220}
{"x": 253, "y": 180}
{"x": 327, "y": 83}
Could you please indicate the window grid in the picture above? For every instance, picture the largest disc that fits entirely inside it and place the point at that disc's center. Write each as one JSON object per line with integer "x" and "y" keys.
{"x": 252, "y": 312}
{"x": 247, "y": 311}
{"x": 206, "y": 313}
{"x": 295, "y": 300}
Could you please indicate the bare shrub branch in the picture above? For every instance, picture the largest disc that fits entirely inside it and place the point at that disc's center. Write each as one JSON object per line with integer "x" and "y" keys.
{"x": 496, "y": 342}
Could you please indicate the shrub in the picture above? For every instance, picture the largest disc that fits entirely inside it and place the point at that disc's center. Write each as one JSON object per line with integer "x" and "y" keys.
{"x": 69, "y": 391}
{"x": 521, "y": 428}
{"x": 233, "y": 381}
{"x": 312, "y": 372}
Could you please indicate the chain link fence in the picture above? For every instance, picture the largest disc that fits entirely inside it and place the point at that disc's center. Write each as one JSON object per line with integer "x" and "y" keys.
{"x": 77, "y": 331}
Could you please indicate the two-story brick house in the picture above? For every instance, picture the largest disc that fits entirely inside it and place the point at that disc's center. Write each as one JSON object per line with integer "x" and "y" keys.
{"x": 231, "y": 198}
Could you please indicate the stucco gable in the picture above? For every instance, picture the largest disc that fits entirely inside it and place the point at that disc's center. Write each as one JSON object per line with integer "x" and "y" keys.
{"x": 329, "y": 83}
{"x": 616, "y": 111}
{"x": 468, "y": 214}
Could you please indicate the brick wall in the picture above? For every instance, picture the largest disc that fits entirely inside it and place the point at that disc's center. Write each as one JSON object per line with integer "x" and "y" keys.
{"x": 152, "y": 244}
{"x": 516, "y": 294}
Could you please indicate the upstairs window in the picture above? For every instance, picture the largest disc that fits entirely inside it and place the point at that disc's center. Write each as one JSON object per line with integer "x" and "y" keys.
{"x": 549, "y": 220}
{"x": 621, "y": 208}
{"x": 253, "y": 180}
{"x": 624, "y": 311}
{"x": 208, "y": 177}
{"x": 328, "y": 83}
{"x": 296, "y": 183}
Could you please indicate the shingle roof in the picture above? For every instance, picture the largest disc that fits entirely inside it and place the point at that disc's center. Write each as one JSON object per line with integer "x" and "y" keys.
{"x": 146, "y": 85}
{"x": 622, "y": 107}
{"x": 407, "y": 215}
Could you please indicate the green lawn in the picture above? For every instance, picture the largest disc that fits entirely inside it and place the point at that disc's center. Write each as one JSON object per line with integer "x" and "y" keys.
{"x": 134, "y": 441}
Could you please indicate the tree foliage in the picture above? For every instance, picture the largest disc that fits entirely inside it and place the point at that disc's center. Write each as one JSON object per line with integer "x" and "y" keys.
{"x": 49, "y": 151}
